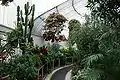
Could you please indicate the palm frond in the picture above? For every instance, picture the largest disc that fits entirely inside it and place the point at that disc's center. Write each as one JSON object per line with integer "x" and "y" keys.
{"x": 88, "y": 61}
{"x": 89, "y": 74}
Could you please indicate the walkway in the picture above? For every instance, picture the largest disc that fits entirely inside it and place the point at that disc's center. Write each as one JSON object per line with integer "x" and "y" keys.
{"x": 60, "y": 75}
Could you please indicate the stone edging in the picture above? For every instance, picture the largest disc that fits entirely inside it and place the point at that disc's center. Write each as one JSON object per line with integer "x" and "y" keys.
{"x": 68, "y": 75}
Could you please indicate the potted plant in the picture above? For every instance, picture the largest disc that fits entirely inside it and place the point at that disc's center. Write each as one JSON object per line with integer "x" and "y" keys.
{"x": 53, "y": 27}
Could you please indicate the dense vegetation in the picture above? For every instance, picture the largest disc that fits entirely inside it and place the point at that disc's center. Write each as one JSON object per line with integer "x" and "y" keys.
{"x": 27, "y": 66}
{"x": 98, "y": 42}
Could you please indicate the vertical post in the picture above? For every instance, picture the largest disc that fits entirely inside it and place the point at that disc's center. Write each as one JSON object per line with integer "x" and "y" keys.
{"x": 53, "y": 64}
{"x": 42, "y": 72}
{"x": 58, "y": 62}
{"x": 38, "y": 74}
{"x": 47, "y": 66}
{"x": 50, "y": 65}
{"x": 65, "y": 60}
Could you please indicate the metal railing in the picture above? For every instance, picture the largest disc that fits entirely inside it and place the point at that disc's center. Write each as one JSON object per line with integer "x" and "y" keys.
{"x": 53, "y": 64}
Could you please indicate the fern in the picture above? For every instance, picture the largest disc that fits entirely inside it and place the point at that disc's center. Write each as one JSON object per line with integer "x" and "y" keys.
{"x": 89, "y": 74}
{"x": 92, "y": 59}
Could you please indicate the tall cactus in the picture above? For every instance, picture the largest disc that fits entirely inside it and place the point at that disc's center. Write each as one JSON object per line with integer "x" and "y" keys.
{"x": 18, "y": 15}
{"x": 28, "y": 24}
{"x": 26, "y": 19}
{"x": 31, "y": 23}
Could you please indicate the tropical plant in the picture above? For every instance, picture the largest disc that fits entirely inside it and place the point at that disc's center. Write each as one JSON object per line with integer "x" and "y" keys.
{"x": 54, "y": 51}
{"x": 68, "y": 51}
{"x": 106, "y": 11}
{"x": 21, "y": 68}
{"x": 101, "y": 42}
{"x": 74, "y": 25}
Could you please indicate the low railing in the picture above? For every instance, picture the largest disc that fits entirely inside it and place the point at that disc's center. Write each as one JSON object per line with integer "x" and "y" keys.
{"x": 51, "y": 65}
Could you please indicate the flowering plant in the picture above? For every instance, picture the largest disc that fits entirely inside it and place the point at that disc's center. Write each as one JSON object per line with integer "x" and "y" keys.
{"x": 43, "y": 51}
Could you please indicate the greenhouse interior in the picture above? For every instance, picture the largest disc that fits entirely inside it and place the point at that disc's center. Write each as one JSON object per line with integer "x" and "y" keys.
{"x": 60, "y": 40}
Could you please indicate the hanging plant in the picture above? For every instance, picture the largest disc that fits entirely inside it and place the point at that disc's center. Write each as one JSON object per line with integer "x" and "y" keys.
{"x": 54, "y": 26}
{"x": 5, "y": 2}
{"x": 55, "y": 20}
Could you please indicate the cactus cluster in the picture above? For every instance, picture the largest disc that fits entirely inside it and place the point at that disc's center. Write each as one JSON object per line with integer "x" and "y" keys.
{"x": 24, "y": 24}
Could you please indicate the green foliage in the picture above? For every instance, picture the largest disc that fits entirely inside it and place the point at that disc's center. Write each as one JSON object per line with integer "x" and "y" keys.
{"x": 21, "y": 68}
{"x": 22, "y": 35}
{"x": 107, "y": 11}
{"x": 54, "y": 51}
{"x": 36, "y": 59}
{"x": 3, "y": 69}
{"x": 74, "y": 25}
{"x": 88, "y": 74}
{"x": 14, "y": 36}
{"x": 84, "y": 37}
{"x": 67, "y": 51}
{"x": 92, "y": 59}
{"x": 25, "y": 67}
{"x": 98, "y": 42}
{"x": 98, "y": 50}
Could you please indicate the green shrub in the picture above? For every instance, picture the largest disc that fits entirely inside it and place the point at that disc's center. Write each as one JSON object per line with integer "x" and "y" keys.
{"x": 98, "y": 43}
{"x": 21, "y": 68}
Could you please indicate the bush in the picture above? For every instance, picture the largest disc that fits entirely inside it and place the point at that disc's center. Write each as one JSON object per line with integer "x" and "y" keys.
{"x": 22, "y": 68}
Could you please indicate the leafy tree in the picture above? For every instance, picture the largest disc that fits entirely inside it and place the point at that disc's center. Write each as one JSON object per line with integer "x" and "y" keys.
{"x": 101, "y": 42}
{"x": 107, "y": 11}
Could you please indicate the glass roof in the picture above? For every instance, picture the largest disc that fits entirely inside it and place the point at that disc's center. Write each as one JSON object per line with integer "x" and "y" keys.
{"x": 71, "y": 9}
{"x": 4, "y": 29}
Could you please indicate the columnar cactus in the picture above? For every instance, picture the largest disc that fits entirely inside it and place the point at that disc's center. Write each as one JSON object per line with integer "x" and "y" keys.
{"x": 24, "y": 21}
{"x": 18, "y": 15}
{"x": 31, "y": 23}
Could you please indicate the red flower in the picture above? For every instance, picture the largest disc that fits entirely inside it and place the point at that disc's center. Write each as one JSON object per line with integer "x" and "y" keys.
{"x": 41, "y": 54}
{"x": 46, "y": 49}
